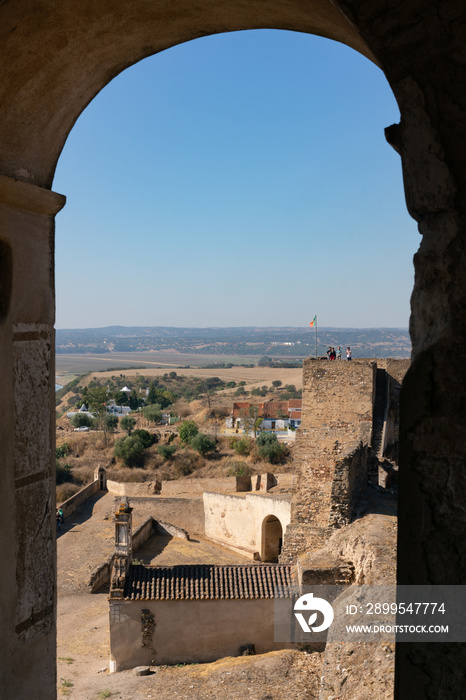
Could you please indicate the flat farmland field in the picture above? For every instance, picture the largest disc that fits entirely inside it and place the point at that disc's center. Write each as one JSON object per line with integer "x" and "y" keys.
{"x": 251, "y": 375}
{"x": 155, "y": 364}
{"x": 79, "y": 363}
{"x": 131, "y": 364}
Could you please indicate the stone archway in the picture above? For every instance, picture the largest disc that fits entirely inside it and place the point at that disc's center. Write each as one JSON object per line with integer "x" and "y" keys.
{"x": 54, "y": 60}
{"x": 272, "y": 539}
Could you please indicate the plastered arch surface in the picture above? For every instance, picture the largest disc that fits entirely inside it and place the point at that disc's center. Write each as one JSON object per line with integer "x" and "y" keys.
{"x": 66, "y": 52}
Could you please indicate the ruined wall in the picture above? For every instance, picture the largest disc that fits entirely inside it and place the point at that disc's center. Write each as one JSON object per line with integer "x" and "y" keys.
{"x": 331, "y": 446}
{"x": 128, "y": 488}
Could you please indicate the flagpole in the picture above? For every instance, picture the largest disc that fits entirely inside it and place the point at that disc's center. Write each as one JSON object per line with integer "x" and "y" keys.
{"x": 316, "y": 336}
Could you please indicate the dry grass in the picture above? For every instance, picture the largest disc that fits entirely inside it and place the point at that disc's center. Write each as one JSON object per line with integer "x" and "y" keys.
{"x": 251, "y": 375}
{"x": 89, "y": 450}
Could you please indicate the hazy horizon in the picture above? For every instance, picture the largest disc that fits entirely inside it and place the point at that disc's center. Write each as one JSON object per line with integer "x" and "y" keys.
{"x": 311, "y": 330}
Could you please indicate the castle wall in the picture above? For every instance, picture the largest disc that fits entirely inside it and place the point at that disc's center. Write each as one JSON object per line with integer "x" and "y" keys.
{"x": 331, "y": 450}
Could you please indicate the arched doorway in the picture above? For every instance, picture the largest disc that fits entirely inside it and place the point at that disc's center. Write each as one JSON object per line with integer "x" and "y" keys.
{"x": 272, "y": 539}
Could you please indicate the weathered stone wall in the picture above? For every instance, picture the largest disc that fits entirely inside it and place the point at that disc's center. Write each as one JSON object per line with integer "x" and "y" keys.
{"x": 396, "y": 371}
{"x": 331, "y": 447}
{"x": 188, "y": 631}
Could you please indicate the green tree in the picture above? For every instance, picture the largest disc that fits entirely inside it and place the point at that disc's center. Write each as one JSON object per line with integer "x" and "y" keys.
{"x": 202, "y": 443}
{"x": 147, "y": 438}
{"x": 187, "y": 430}
{"x": 134, "y": 400}
{"x": 131, "y": 450}
{"x": 265, "y": 362}
{"x": 153, "y": 413}
{"x": 111, "y": 423}
{"x": 167, "y": 451}
{"x": 121, "y": 398}
{"x": 276, "y": 383}
{"x": 270, "y": 449}
{"x": 82, "y": 420}
{"x": 127, "y": 423}
{"x": 243, "y": 446}
{"x": 96, "y": 399}
{"x": 152, "y": 394}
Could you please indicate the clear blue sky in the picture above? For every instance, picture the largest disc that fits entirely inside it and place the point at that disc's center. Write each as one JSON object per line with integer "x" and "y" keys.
{"x": 237, "y": 180}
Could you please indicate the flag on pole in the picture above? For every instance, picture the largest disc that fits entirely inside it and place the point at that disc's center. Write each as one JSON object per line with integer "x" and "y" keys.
{"x": 313, "y": 322}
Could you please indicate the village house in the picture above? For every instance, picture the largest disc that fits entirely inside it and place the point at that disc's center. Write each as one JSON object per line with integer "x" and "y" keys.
{"x": 276, "y": 415}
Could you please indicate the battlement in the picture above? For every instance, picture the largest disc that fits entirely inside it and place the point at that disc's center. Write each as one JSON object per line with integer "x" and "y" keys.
{"x": 341, "y": 406}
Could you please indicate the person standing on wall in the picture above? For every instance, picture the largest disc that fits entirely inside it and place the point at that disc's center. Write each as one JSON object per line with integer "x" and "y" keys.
{"x": 348, "y": 353}
{"x": 339, "y": 353}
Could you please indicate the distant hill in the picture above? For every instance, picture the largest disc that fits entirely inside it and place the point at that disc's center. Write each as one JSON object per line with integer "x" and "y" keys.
{"x": 286, "y": 343}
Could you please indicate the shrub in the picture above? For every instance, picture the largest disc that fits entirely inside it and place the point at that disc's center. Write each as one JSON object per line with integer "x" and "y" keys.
{"x": 63, "y": 473}
{"x": 240, "y": 391}
{"x": 166, "y": 451}
{"x": 128, "y": 424}
{"x": 80, "y": 420}
{"x": 187, "y": 430}
{"x": 184, "y": 463}
{"x": 147, "y": 438}
{"x": 243, "y": 446}
{"x": 230, "y": 385}
{"x": 65, "y": 491}
{"x": 276, "y": 383}
{"x": 202, "y": 443}
{"x": 232, "y": 441}
{"x": 270, "y": 449}
{"x": 62, "y": 451}
{"x": 239, "y": 469}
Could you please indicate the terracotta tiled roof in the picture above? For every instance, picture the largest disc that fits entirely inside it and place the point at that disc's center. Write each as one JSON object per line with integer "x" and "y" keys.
{"x": 206, "y": 582}
{"x": 295, "y": 415}
{"x": 295, "y": 403}
{"x": 241, "y": 409}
